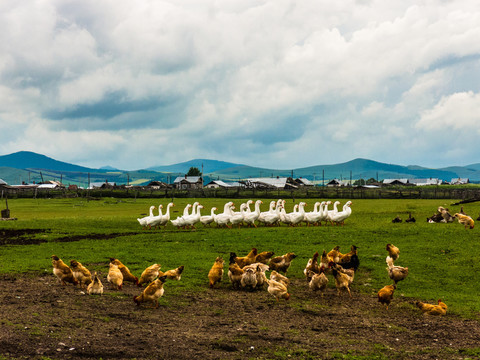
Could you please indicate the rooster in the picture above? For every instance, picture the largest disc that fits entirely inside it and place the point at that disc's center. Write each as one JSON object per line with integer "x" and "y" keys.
{"x": 62, "y": 271}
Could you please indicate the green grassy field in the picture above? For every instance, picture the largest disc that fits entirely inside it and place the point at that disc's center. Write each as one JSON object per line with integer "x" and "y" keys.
{"x": 442, "y": 258}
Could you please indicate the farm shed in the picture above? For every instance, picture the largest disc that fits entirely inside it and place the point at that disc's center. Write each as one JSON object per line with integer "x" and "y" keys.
{"x": 460, "y": 181}
{"x": 215, "y": 184}
{"x": 393, "y": 182}
{"x": 158, "y": 185}
{"x": 337, "y": 182}
{"x": 188, "y": 182}
{"x": 269, "y": 183}
{"x": 302, "y": 182}
{"x": 425, "y": 182}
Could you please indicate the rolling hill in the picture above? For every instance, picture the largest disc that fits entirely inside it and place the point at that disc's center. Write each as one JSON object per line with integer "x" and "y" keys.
{"x": 25, "y": 166}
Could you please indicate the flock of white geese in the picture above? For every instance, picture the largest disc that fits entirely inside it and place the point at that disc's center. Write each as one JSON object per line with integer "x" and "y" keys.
{"x": 246, "y": 216}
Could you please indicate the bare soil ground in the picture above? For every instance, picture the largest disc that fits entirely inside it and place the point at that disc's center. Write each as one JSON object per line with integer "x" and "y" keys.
{"x": 41, "y": 319}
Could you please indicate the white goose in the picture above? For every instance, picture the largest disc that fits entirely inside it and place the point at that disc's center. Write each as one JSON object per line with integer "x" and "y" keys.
{"x": 166, "y": 216}
{"x": 155, "y": 221}
{"x": 263, "y": 214}
{"x": 236, "y": 218}
{"x": 249, "y": 202}
{"x": 340, "y": 217}
{"x": 224, "y": 218}
{"x": 194, "y": 218}
{"x": 250, "y": 217}
{"x": 297, "y": 217}
{"x": 180, "y": 220}
{"x": 144, "y": 221}
{"x": 314, "y": 216}
{"x": 208, "y": 219}
{"x": 331, "y": 213}
{"x": 272, "y": 218}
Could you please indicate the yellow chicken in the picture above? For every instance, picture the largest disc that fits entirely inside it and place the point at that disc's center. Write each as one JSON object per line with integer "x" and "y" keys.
{"x": 429, "y": 309}
{"x": 465, "y": 220}
{"x": 96, "y": 286}
{"x": 318, "y": 282}
{"x": 396, "y": 273}
{"x": 385, "y": 294}
{"x": 246, "y": 260}
{"x": 127, "y": 275}
{"x": 149, "y": 274}
{"x": 393, "y": 251}
{"x": 264, "y": 257}
{"x": 62, "y": 271}
{"x": 277, "y": 289}
{"x": 334, "y": 254}
{"x": 81, "y": 273}
{"x": 175, "y": 274}
{"x": 312, "y": 266}
{"x": 115, "y": 276}
{"x": 342, "y": 281}
{"x": 152, "y": 292}
{"x": 215, "y": 274}
{"x": 280, "y": 278}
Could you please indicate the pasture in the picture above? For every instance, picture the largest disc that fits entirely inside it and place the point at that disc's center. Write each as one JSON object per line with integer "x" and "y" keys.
{"x": 443, "y": 261}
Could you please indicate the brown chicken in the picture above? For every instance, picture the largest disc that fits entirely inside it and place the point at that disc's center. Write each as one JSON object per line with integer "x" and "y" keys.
{"x": 393, "y": 251}
{"x": 81, "y": 273}
{"x": 127, "y": 275}
{"x": 429, "y": 309}
{"x": 396, "y": 273}
{"x": 385, "y": 294}
{"x": 318, "y": 282}
{"x": 282, "y": 263}
{"x": 62, "y": 271}
{"x": 95, "y": 287}
{"x": 152, "y": 292}
{"x": 342, "y": 281}
{"x": 280, "y": 278}
{"x": 235, "y": 273}
{"x": 260, "y": 270}
{"x": 334, "y": 254}
{"x": 115, "y": 276}
{"x": 149, "y": 274}
{"x": 215, "y": 274}
{"x": 312, "y": 266}
{"x": 175, "y": 274}
{"x": 264, "y": 257}
{"x": 249, "y": 279}
{"x": 246, "y": 260}
{"x": 465, "y": 220}
{"x": 345, "y": 258}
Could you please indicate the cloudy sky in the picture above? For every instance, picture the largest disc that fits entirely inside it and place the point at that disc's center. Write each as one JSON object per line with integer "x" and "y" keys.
{"x": 272, "y": 83}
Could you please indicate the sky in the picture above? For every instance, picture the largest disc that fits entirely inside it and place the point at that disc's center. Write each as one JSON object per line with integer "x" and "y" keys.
{"x": 277, "y": 84}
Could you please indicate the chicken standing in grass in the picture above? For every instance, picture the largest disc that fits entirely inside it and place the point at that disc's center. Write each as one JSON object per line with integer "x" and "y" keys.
{"x": 152, "y": 292}
{"x": 175, "y": 274}
{"x": 282, "y": 263}
{"x": 465, "y": 220}
{"x": 95, "y": 287}
{"x": 396, "y": 273}
{"x": 81, "y": 273}
{"x": 235, "y": 273}
{"x": 393, "y": 251}
{"x": 149, "y": 274}
{"x": 385, "y": 294}
{"x": 62, "y": 271}
{"x": 215, "y": 274}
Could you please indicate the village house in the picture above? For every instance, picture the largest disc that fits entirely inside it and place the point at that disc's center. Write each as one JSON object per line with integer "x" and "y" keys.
{"x": 188, "y": 182}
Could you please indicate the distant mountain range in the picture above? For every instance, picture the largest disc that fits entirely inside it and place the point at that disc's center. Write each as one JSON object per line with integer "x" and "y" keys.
{"x": 26, "y": 166}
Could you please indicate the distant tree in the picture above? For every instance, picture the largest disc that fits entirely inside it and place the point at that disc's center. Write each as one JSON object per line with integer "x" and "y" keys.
{"x": 194, "y": 171}
{"x": 371, "y": 181}
{"x": 359, "y": 182}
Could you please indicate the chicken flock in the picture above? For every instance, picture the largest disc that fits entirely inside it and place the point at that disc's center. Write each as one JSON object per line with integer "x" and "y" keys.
{"x": 249, "y": 273}
{"x": 248, "y": 217}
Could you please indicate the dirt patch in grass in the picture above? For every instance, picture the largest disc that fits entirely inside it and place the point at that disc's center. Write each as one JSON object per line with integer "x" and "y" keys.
{"x": 27, "y": 236}
{"x": 41, "y": 319}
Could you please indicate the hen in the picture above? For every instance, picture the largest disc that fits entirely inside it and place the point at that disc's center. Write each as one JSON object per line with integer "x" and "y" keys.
{"x": 149, "y": 274}
{"x": 152, "y": 292}
{"x": 175, "y": 274}
{"x": 62, "y": 271}
{"x": 393, "y": 251}
{"x": 215, "y": 274}
{"x": 245, "y": 260}
{"x": 249, "y": 279}
{"x": 115, "y": 276}
{"x": 465, "y": 220}
{"x": 282, "y": 263}
{"x": 342, "y": 281}
{"x": 312, "y": 266}
{"x": 81, "y": 273}
{"x": 264, "y": 257}
{"x": 280, "y": 278}
{"x": 318, "y": 282}
{"x": 396, "y": 273}
{"x": 95, "y": 287}
{"x": 429, "y": 309}
{"x": 277, "y": 289}
{"x": 235, "y": 273}
{"x": 127, "y": 275}
{"x": 385, "y": 294}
